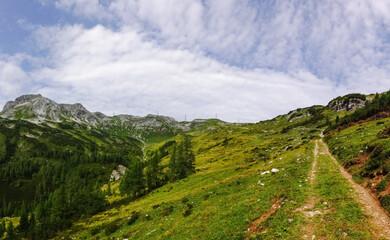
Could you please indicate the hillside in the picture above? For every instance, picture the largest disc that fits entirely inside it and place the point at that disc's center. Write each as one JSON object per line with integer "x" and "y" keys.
{"x": 275, "y": 179}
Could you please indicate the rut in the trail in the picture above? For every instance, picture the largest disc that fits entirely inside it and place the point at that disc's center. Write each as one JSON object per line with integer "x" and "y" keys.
{"x": 308, "y": 209}
{"x": 378, "y": 217}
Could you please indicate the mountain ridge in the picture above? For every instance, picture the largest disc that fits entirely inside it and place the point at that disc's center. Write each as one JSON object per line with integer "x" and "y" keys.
{"x": 240, "y": 169}
{"x": 39, "y": 109}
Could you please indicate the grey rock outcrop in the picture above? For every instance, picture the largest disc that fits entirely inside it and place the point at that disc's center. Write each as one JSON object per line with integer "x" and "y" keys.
{"x": 37, "y": 108}
{"x": 347, "y": 103}
{"x": 118, "y": 173}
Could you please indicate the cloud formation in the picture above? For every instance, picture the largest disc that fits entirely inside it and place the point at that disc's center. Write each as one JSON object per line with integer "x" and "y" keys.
{"x": 121, "y": 71}
{"x": 242, "y": 59}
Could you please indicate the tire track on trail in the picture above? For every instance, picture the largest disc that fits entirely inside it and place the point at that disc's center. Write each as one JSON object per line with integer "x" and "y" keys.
{"x": 378, "y": 217}
{"x": 308, "y": 209}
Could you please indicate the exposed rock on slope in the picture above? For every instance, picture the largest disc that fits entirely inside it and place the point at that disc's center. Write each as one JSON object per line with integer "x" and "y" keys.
{"x": 348, "y": 102}
{"x": 118, "y": 173}
{"x": 36, "y": 107}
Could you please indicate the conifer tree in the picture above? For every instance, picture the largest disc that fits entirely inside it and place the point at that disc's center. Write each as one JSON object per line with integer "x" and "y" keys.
{"x": 108, "y": 192}
{"x": 182, "y": 162}
{"x": 11, "y": 235}
{"x": 2, "y": 228}
{"x": 23, "y": 221}
{"x": 31, "y": 228}
{"x": 173, "y": 166}
{"x": 133, "y": 181}
{"x": 189, "y": 156}
{"x": 154, "y": 172}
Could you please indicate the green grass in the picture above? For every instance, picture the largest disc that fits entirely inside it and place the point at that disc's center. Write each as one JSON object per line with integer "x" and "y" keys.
{"x": 342, "y": 216}
{"x": 224, "y": 193}
{"x": 228, "y": 192}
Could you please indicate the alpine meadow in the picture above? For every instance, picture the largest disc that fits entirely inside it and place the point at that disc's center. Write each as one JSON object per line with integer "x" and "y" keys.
{"x": 194, "y": 119}
{"x": 70, "y": 173}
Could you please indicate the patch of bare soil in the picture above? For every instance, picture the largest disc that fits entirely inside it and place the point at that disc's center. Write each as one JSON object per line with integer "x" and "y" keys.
{"x": 253, "y": 229}
{"x": 378, "y": 216}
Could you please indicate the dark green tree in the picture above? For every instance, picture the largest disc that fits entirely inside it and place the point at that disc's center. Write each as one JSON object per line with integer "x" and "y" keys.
{"x": 2, "y": 228}
{"x": 23, "y": 221}
{"x": 11, "y": 234}
{"x": 189, "y": 156}
{"x": 173, "y": 165}
{"x": 31, "y": 228}
{"x": 154, "y": 172}
{"x": 182, "y": 162}
{"x": 132, "y": 182}
{"x": 108, "y": 191}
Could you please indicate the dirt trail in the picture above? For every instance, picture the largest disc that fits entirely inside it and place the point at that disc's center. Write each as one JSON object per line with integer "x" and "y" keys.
{"x": 378, "y": 217}
{"x": 308, "y": 209}
{"x": 314, "y": 164}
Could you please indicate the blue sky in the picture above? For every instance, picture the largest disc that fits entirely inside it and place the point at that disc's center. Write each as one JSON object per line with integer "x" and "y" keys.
{"x": 241, "y": 59}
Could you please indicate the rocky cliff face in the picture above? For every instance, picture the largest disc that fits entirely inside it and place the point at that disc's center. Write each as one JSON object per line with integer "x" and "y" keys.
{"x": 36, "y": 108}
{"x": 349, "y": 102}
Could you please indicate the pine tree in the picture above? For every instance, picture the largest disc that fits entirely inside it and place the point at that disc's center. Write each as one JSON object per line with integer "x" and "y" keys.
{"x": 189, "y": 156}
{"x": 182, "y": 162}
{"x": 173, "y": 166}
{"x": 153, "y": 172}
{"x": 11, "y": 235}
{"x": 31, "y": 229}
{"x": 23, "y": 221}
{"x": 108, "y": 192}
{"x": 2, "y": 228}
{"x": 133, "y": 181}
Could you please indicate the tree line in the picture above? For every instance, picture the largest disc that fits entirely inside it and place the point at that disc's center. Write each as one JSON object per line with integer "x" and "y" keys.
{"x": 144, "y": 177}
{"x": 67, "y": 190}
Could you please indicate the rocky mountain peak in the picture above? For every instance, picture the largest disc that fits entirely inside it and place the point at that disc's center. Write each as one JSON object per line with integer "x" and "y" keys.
{"x": 35, "y": 107}
{"x": 348, "y": 102}
{"x": 20, "y": 100}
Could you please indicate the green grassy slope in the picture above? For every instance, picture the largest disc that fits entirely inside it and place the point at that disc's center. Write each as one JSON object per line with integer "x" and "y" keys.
{"x": 229, "y": 193}
{"x": 232, "y": 194}
{"x": 226, "y": 194}
{"x": 364, "y": 149}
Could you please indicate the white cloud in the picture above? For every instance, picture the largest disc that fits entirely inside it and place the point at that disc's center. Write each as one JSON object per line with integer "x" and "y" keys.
{"x": 332, "y": 39}
{"x": 252, "y": 59}
{"x": 13, "y": 79}
{"x": 92, "y": 9}
{"x": 122, "y": 72}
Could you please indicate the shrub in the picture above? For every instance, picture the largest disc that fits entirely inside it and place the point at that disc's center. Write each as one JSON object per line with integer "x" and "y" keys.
{"x": 189, "y": 205}
{"x": 133, "y": 218}
{"x": 111, "y": 228}
{"x": 167, "y": 210}
{"x": 382, "y": 185}
{"x": 205, "y": 197}
{"x": 385, "y": 201}
{"x": 95, "y": 231}
{"x": 187, "y": 212}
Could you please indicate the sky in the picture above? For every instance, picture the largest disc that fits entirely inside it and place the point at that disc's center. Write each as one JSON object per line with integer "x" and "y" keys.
{"x": 233, "y": 59}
